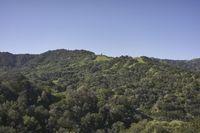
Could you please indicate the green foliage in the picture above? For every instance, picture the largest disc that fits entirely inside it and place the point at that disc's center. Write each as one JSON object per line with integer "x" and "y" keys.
{"x": 156, "y": 126}
{"x": 4, "y": 129}
{"x": 78, "y": 91}
{"x": 29, "y": 120}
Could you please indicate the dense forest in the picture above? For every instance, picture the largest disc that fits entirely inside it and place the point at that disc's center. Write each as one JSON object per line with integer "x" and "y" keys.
{"x": 64, "y": 91}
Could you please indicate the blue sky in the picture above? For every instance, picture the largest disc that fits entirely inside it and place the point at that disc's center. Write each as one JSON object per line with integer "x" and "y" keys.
{"x": 155, "y": 28}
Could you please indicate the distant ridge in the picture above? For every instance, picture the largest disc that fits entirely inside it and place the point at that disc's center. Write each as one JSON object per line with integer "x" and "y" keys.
{"x": 17, "y": 60}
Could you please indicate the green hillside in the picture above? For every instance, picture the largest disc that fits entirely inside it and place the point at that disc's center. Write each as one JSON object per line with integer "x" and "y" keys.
{"x": 77, "y": 91}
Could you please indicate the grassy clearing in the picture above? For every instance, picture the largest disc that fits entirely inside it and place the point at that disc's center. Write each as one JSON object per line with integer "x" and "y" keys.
{"x": 100, "y": 58}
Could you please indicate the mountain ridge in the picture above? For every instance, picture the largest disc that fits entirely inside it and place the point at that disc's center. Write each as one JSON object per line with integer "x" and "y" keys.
{"x": 17, "y": 60}
{"x": 79, "y": 91}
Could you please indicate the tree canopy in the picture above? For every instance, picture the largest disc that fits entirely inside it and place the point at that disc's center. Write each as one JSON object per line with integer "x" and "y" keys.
{"x": 78, "y": 91}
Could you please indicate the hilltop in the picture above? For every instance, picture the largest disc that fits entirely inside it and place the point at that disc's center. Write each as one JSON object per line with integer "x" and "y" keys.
{"x": 65, "y": 90}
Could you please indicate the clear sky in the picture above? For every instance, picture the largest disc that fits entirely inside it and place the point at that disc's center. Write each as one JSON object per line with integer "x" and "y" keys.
{"x": 155, "y": 28}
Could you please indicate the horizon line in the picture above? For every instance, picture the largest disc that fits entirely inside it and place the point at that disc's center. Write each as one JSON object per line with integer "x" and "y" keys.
{"x": 39, "y": 53}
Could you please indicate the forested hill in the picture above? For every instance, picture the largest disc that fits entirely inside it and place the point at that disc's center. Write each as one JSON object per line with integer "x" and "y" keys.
{"x": 78, "y": 91}
{"x": 191, "y": 65}
{"x": 9, "y": 60}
